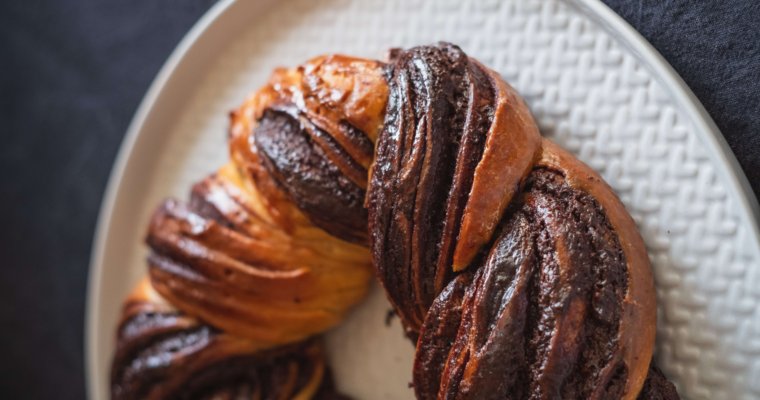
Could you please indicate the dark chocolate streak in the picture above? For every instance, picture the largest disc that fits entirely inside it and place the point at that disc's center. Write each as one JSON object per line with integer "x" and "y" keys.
{"x": 167, "y": 355}
{"x": 314, "y": 171}
{"x": 539, "y": 316}
{"x": 438, "y": 114}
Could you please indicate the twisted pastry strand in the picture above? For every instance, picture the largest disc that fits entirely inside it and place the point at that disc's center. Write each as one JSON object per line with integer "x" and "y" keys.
{"x": 513, "y": 266}
{"x": 164, "y": 353}
{"x": 558, "y": 300}
{"x": 553, "y": 295}
{"x": 269, "y": 251}
{"x": 456, "y": 143}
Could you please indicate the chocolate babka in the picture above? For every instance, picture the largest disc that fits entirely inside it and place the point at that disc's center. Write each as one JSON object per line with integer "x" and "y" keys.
{"x": 512, "y": 265}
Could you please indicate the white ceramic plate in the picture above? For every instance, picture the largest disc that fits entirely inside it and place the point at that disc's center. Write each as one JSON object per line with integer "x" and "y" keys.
{"x": 594, "y": 85}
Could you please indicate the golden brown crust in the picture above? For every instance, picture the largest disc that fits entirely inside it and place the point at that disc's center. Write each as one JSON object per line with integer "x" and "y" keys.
{"x": 511, "y": 146}
{"x": 246, "y": 255}
{"x": 219, "y": 260}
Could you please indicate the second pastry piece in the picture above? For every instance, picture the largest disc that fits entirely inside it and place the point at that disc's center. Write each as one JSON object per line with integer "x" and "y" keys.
{"x": 557, "y": 300}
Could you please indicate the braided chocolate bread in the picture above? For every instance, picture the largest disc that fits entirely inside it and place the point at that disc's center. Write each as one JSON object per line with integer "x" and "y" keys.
{"x": 512, "y": 265}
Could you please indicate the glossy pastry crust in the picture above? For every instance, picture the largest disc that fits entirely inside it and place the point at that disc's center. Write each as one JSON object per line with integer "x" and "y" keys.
{"x": 218, "y": 259}
{"x": 270, "y": 247}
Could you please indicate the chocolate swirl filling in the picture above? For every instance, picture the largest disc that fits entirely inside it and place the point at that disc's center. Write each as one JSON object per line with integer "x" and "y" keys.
{"x": 165, "y": 354}
{"x": 314, "y": 136}
{"x": 439, "y": 111}
{"x": 504, "y": 268}
{"x": 443, "y": 172}
{"x": 539, "y": 315}
{"x": 317, "y": 174}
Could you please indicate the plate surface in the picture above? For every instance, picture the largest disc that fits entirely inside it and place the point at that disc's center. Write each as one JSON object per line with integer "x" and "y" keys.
{"x": 595, "y": 87}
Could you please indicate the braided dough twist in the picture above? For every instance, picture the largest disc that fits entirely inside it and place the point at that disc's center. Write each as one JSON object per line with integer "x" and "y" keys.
{"x": 512, "y": 265}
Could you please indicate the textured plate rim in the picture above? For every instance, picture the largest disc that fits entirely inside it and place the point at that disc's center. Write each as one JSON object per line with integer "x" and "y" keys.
{"x": 706, "y": 129}
{"x": 161, "y": 86}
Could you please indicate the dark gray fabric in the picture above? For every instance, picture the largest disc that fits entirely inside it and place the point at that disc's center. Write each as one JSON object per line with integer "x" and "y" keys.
{"x": 71, "y": 75}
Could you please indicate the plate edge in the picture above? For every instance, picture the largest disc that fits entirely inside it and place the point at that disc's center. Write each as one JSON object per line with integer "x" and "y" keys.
{"x": 115, "y": 178}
